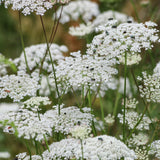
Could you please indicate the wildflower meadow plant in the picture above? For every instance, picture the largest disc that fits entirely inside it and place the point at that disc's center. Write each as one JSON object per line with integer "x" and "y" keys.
{"x": 95, "y": 103}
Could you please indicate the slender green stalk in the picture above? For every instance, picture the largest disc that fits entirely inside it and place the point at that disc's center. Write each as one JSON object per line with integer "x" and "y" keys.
{"x": 144, "y": 111}
{"x": 90, "y": 106}
{"x": 22, "y": 42}
{"x": 116, "y": 104}
{"x": 46, "y": 142}
{"x": 102, "y": 109}
{"x": 28, "y": 148}
{"x": 36, "y": 145}
{"x": 136, "y": 12}
{"x": 124, "y": 107}
{"x": 54, "y": 72}
{"x": 82, "y": 149}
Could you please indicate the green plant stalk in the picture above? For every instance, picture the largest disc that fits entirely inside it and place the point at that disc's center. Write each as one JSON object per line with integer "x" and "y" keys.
{"x": 90, "y": 106}
{"x": 136, "y": 12}
{"x": 28, "y": 150}
{"x": 82, "y": 149}
{"x": 36, "y": 145}
{"x": 102, "y": 109}
{"x": 46, "y": 142}
{"x": 54, "y": 72}
{"x": 22, "y": 43}
{"x": 144, "y": 111}
{"x": 116, "y": 104}
{"x": 124, "y": 108}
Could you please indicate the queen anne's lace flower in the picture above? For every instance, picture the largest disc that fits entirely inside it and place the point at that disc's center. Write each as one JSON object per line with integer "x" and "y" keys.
{"x": 109, "y": 119}
{"x": 141, "y": 153}
{"x": 69, "y": 118}
{"x": 100, "y": 147}
{"x": 36, "y": 53}
{"x": 114, "y": 40}
{"x": 139, "y": 139}
{"x": 85, "y": 70}
{"x": 28, "y": 124}
{"x": 131, "y": 119}
{"x": 75, "y": 10}
{"x": 150, "y": 89}
{"x": 155, "y": 148}
{"x": 23, "y": 156}
{"x": 29, "y": 6}
{"x": 80, "y": 132}
{"x": 81, "y": 30}
{"x": 17, "y": 87}
{"x": 102, "y": 18}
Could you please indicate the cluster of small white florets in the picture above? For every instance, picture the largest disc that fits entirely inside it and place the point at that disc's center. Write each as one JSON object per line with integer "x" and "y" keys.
{"x": 81, "y": 30}
{"x": 28, "y": 124}
{"x": 86, "y": 70}
{"x": 142, "y": 153}
{"x": 75, "y": 10}
{"x": 35, "y": 103}
{"x": 131, "y": 103}
{"x": 103, "y": 17}
{"x": 109, "y": 119}
{"x": 23, "y": 156}
{"x": 150, "y": 88}
{"x": 18, "y": 86}
{"x": 132, "y": 117}
{"x": 68, "y": 118}
{"x": 114, "y": 40}
{"x": 138, "y": 140}
{"x": 36, "y": 53}
{"x": 29, "y": 6}
{"x": 155, "y": 148}
{"x": 33, "y": 125}
{"x": 101, "y": 147}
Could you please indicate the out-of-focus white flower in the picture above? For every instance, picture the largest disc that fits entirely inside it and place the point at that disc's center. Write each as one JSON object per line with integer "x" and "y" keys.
{"x": 5, "y": 155}
{"x": 109, "y": 119}
{"x": 84, "y": 9}
{"x": 81, "y": 30}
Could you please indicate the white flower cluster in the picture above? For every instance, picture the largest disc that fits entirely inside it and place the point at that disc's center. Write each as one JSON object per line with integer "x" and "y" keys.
{"x": 103, "y": 17}
{"x": 75, "y": 10}
{"x": 81, "y": 30}
{"x": 28, "y": 124}
{"x": 69, "y": 118}
{"x": 142, "y": 153}
{"x": 114, "y": 40}
{"x": 101, "y": 147}
{"x": 86, "y": 70}
{"x": 29, "y": 6}
{"x": 131, "y": 103}
{"x": 139, "y": 139}
{"x": 131, "y": 119}
{"x": 5, "y": 155}
{"x": 80, "y": 132}
{"x": 36, "y": 53}
{"x": 150, "y": 88}
{"x": 155, "y": 148}
{"x": 23, "y": 156}
{"x": 18, "y": 86}
{"x": 34, "y": 103}
{"x": 109, "y": 119}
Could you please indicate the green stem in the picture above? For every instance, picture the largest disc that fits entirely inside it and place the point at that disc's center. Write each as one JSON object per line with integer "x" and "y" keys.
{"x": 54, "y": 71}
{"x": 46, "y": 142}
{"x": 90, "y": 106}
{"x": 124, "y": 107}
{"x": 133, "y": 4}
{"x": 116, "y": 104}
{"x": 144, "y": 111}
{"x": 102, "y": 109}
{"x": 82, "y": 149}
{"x": 36, "y": 146}
{"x": 28, "y": 148}
{"x": 22, "y": 43}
